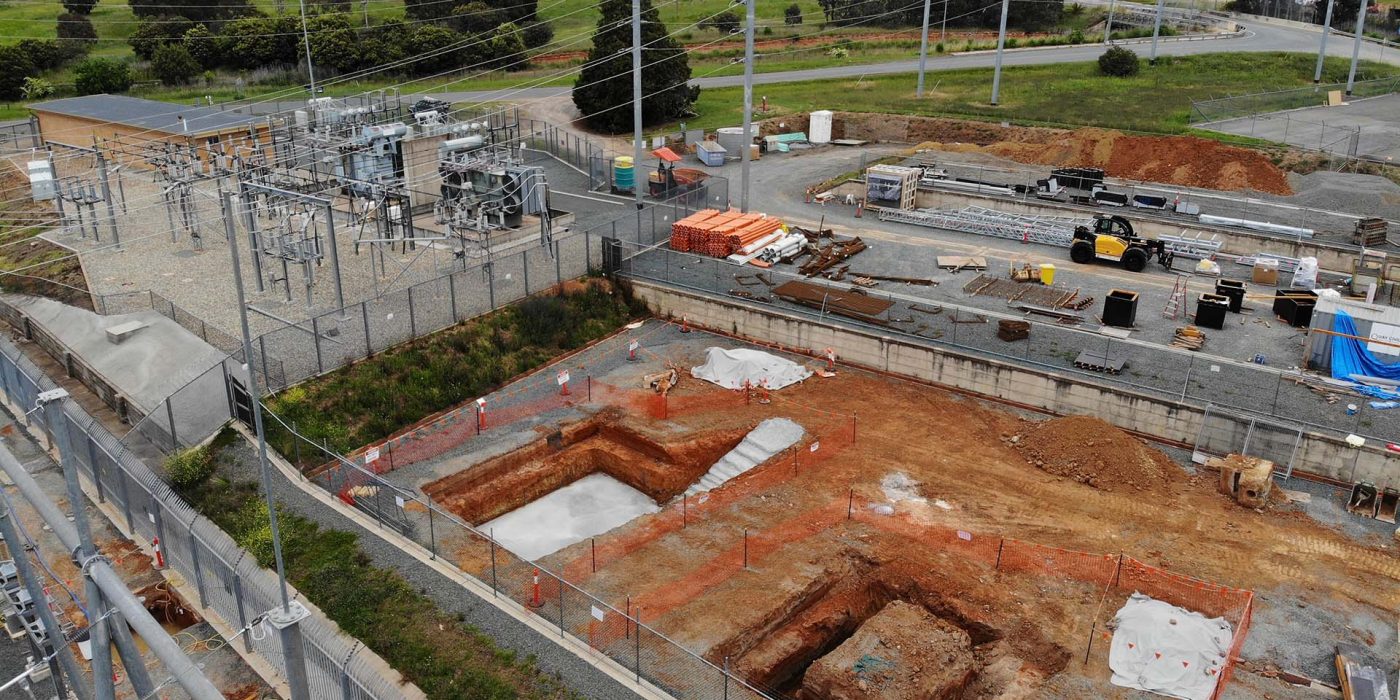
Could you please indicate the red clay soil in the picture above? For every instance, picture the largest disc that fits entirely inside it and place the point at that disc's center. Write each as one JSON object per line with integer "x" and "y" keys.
{"x": 1093, "y": 452}
{"x": 1177, "y": 160}
{"x": 904, "y": 651}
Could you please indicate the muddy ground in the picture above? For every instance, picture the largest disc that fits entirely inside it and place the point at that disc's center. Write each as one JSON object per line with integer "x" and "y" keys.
{"x": 837, "y": 534}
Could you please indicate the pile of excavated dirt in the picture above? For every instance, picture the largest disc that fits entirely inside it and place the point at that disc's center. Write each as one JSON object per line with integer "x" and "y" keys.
{"x": 1177, "y": 160}
{"x": 1095, "y": 453}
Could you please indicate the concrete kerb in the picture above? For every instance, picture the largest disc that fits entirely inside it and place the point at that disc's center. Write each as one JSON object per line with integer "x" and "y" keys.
{"x": 109, "y": 510}
{"x": 568, "y": 642}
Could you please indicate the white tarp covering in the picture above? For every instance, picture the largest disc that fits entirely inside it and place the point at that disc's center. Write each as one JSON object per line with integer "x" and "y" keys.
{"x": 1164, "y": 649}
{"x": 731, "y": 368}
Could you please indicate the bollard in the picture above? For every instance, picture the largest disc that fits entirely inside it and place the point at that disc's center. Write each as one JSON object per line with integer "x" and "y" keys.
{"x": 535, "y": 601}
{"x": 480, "y": 415}
{"x": 160, "y": 557}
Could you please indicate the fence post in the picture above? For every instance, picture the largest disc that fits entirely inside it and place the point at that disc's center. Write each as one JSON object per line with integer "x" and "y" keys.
{"x": 170, "y": 417}
{"x": 345, "y": 683}
{"x": 558, "y": 269}
{"x": 452, "y": 294}
{"x": 525, "y": 265}
{"x": 637, "y": 647}
{"x": 194, "y": 560}
{"x": 491, "y": 284}
{"x": 495, "y": 587}
{"x": 126, "y": 498}
{"x": 364, "y": 314}
{"x": 316, "y": 340}
{"x": 560, "y": 583}
{"x": 242, "y": 614}
{"x": 262, "y": 350}
{"x": 412, "y": 322}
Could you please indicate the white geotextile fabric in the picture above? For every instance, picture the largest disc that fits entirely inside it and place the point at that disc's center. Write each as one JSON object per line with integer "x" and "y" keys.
{"x": 1169, "y": 650}
{"x": 731, "y": 368}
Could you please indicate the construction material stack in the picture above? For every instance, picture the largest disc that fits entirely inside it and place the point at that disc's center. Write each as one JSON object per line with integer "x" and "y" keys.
{"x": 1370, "y": 232}
{"x": 721, "y": 234}
{"x": 891, "y": 186}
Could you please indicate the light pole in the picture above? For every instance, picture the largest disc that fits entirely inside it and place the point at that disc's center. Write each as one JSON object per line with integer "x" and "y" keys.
{"x": 923, "y": 51}
{"x": 1108, "y": 24}
{"x": 748, "y": 104}
{"x": 637, "y": 102}
{"x": 1322, "y": 50}
{"x": 286, "y": 618}
{"x": 1356, "y": 46}
{"x": 1001, "y": 45}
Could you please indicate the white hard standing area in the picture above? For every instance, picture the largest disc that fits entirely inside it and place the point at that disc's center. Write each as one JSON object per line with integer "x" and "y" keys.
{"x": 586, "y": 508}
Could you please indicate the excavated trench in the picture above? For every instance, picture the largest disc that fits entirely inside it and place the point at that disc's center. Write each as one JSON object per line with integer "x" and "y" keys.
{"x": 658, "y": 468}
{"x": 868, "y": 632}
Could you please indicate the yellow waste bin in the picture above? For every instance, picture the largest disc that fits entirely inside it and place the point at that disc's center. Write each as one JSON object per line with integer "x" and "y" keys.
{"x": 1047, "y": 273}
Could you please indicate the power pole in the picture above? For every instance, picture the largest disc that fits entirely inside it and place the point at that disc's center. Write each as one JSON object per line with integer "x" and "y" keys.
{"x": 1356, "y": 46}
{"x": 1156, "y": 31}
{"x": 943, "y": 33}
{"x": 748, "y": 105}
{"x": 286, "y": 618}
{"x": 637, "y": 102}
{"x": 306, "y": 39}
{"x": 1108, "y": 24}
{"x": 1322, "y": 50}
{"x": 1001, "y": 46}
{"x": 923, "y": 50}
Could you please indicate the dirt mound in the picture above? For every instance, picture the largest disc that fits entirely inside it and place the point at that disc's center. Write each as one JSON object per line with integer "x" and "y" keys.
{"x": 1096, "y": 453}
{"x": 1177, "y": 160}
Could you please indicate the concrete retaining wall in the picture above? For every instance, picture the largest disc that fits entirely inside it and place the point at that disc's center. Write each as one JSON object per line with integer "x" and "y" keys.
{"x": 1168, "y": 420}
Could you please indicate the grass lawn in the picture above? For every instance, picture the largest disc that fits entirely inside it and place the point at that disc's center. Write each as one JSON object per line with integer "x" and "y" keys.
{"x": 1156, "y": 100}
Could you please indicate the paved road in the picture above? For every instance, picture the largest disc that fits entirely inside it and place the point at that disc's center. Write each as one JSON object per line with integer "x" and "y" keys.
{"x": 1258, "y": 37}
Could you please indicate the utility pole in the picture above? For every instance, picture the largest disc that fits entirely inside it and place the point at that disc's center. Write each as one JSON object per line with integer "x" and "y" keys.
{"x": 1108, "y": 24}
{"x": 287, "y": 618}
{"x": 748, "y": 104}
{"x": 364, "y": 7}
{"x": 1356, "y": 46}
{"x": 943, "y": 33}
{"x": 1001, "y": 46}
{"x": 637, "y": 102}
{"x": 923, "y": 50}
{"x": 1322, "y": 50}
{"x": 107, "y": 197}
{"x": 306, "y": 39}
{"x": 1156, "y": 31}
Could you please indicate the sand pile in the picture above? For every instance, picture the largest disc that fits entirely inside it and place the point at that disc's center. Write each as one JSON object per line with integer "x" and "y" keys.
{"x": 1096, "y": 453}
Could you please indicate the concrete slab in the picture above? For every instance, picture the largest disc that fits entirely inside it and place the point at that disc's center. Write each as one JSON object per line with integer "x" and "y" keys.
{"x": 148, "y": 366}
{"x": 588, "y": 507}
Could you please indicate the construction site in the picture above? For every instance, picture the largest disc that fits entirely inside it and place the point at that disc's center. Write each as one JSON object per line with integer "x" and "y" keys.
{"x": 914, "y": 408}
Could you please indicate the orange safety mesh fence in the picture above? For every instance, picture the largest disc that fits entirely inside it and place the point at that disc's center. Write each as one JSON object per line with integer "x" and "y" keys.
{"x": 1098, "y": 569}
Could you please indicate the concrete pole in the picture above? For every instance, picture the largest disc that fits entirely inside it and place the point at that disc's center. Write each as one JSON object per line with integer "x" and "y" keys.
{"x": 1156, "y": 32}
{"x": 306, "y": 39}
{"x": 1108, "y": 24}
{"x": 1001, "y": 45}
{"x": 99, "y": 641}
{"x": 748, "y": 104}
{"x": 923, "y": 50}
{"x": 637, "y": 102}
{"x": 287, "y": 617}
{"x": 1356, "y": 46}
{"x": 64, "y": 653}
{"x": 185, "y": 672}
{"x": 943, "y": 31}
{"x": 1322, "y": 50}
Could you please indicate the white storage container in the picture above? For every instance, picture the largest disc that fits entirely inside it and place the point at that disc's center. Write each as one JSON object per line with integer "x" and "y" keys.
{"x": 819, "y": 130}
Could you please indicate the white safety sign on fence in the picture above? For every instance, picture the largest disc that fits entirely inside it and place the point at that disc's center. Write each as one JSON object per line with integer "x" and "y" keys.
{"x": 598, "y": 613}
{"x": 816, "y": 445}
{"x": 372, "y": 455}
{"x": 398, "y": 501}
{"x": 563, "y": 377}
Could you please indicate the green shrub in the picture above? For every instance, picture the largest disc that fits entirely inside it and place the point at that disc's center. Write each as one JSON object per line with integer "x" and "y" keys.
{"x": 101, "y": 75}
{"x": 172, "y": 64}
{"x": 937, "y": 48}
{"x": 189, "y": 468}
{"x": 15, "y": 65}
{"x": 793, "y": 14}
{"x": 1118, "y": 61}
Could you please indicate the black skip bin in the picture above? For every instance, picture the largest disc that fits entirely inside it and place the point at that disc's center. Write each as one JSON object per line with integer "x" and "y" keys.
{"x": 1120, "y": 308}
{"x": 1211, "y": 310}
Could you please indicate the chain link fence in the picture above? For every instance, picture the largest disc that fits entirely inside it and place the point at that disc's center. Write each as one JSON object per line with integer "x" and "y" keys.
{"x": 1236, "y": 106}
{"x": 228, "y": 581}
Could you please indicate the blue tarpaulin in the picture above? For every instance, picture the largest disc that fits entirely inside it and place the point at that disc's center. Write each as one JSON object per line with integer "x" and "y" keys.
{"x": 1350, "y": 356}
